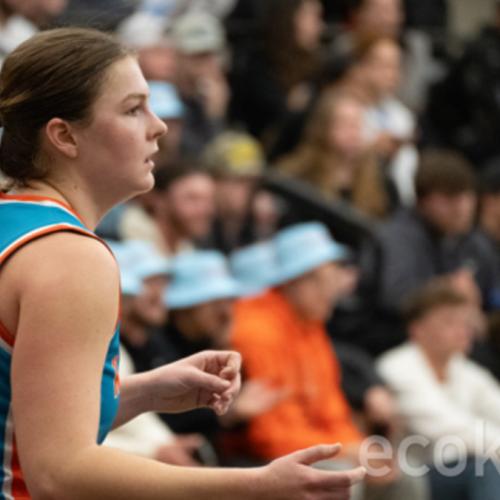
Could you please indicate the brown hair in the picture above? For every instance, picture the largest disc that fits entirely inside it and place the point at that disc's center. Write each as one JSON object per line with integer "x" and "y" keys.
{"x": 291, "y": 64}
{"x": 313, "y": 161}
{"x": 436, "y": 293}
{"x": 168, "y": 172}
{"x": 364, "y": 45}
{"x": 444, "y": 171}
{"x": 56, "y": 73}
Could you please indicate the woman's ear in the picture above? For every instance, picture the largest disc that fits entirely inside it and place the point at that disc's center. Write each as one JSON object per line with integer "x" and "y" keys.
{"x": 61, "y": 138}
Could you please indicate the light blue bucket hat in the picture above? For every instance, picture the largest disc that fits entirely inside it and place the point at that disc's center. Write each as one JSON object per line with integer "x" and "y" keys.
{"x": 303, "y": 247}
{"x": 198, "y": 277}
{"x": 254, "y": 267}
{"x": 164, "y": 100}
{"x": 130, "y": 283}
{"x": 152, "y": 265}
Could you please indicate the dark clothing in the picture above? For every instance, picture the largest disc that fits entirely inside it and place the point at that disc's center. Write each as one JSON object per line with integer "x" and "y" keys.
{"x": 468, "y": 484}
{"x": 202, "y": 421}
{"x": 413, "y": 253}
{"x": 426, "y": 14}
{"x": 150, "y": 355}
{"x": 358, "y": 373}
{"x": 167, "y": 346}
{"x": 258, "y": 99}
{"x": 198, "y": 129}
{"x": 464, "y": 109}
{"x": 487, "y": 354}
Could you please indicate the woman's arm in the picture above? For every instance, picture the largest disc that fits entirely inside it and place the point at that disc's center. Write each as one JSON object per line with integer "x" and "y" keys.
{"x": 68, "y": 301}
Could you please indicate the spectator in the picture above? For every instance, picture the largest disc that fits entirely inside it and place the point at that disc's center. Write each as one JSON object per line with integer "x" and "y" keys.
{"x": 437, "y": 236}
{"x": 375, "y": 18}
{"x": 199, "y": 40}
{"x": 283, "y": 342}
{"x": 389, "y": 124}
{"x": 146, "y": 314}
{"x": 334, "y": 156}
{"x": 201, "y": 300}
{"x": 237, "y": 163}
{"x": 444, "y": 395}
{"x": 275, "y": 78}
{"x": 178, "y": 214}
{"x": 146, "y": 435}
{"x": 167, "y": 105}
{"x": 254, "y": 266}
{"x": 20, "y": 20}
{"x": 145, "y": 31}
{"x": 464, "y": 109}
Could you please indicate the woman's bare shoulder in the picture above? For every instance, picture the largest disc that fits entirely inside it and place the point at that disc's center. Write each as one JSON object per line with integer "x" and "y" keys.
{"x": 60, "y": 266}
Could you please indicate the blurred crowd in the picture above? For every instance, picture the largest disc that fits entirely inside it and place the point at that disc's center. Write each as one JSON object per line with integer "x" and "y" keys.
{"x": 327, "y": 203}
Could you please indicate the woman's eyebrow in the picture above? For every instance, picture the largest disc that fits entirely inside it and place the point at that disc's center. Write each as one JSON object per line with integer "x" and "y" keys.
{"x": 138, "y": 95}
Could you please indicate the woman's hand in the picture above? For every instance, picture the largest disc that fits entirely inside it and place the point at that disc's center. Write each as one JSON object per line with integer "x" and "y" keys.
{"x": 292, "y": 478}
{"x": 206, "y": 379}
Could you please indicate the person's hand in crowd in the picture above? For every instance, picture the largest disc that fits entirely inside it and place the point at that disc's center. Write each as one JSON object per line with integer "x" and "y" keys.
{"x": 214, "y": 90}
{"x": 206, "y": 379}
{"x": 292, "y": 477}
{"x": 255, "y": 398}
{"x": 181, "y": 450}
{"x": 381, "y": 410}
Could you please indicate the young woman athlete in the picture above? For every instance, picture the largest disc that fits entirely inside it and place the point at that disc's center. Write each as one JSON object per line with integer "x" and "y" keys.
{"x": 78, "y": 137}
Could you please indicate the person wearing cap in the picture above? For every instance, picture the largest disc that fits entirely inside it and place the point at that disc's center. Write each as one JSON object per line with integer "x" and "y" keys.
{"x": 283, "y": 341}
{"x": 145, "y": 435}
{"x": 201, "y": 299}
{"x": 20, "y": 20}
{"x": 254, "y": 267}
{"x": 237, "y": 163}
{"x": 166, "y": 103}
{"x": 145, "y": 31}
{"x": 199, "y": 40}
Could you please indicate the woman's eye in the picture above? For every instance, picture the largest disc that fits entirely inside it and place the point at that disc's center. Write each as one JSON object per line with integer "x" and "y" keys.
{"x": 134, "y": 110}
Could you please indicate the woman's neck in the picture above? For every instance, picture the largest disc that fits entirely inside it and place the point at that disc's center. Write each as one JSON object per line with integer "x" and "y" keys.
{"x": 85, "y": 207}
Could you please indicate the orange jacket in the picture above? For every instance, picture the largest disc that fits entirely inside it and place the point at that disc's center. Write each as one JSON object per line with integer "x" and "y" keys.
{"x": 281, "y": 349}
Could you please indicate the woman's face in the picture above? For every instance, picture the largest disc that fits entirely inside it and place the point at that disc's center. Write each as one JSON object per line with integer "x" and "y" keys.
{"x": 384, "y": 17}
{"x": 309, "y": 24}
{"x": 345, "y": 132}
{"x": 383, "y": 68}
{"x": 115, "y": 149}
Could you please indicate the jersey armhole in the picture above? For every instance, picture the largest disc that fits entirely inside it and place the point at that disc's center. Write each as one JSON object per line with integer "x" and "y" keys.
{"x": 5, "y": 335}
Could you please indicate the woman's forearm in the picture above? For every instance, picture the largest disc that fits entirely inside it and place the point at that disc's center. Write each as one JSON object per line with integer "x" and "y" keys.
{"x": 134, "y": 398}
{"x": 109, "y": 474}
